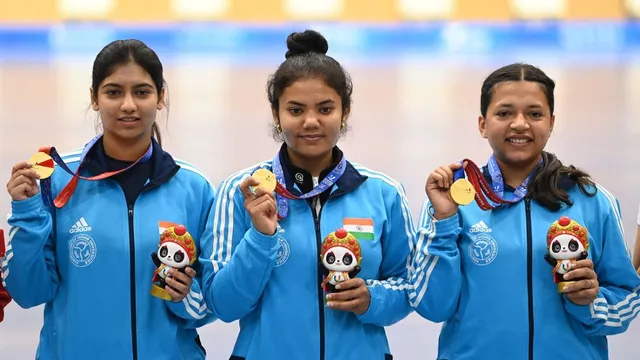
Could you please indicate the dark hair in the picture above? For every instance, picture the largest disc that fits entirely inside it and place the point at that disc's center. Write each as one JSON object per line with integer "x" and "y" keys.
{"x": 552, "y": 179}
{"x": 122, "y": 52}
{"x": 306, "y": 58}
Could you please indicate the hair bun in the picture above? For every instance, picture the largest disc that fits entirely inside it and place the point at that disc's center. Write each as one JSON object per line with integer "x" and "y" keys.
{"x": 309, "y": 41}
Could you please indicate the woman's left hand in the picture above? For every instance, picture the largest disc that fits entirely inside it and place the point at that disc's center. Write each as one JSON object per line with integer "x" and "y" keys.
{"x": 353, "y": 296}
{"x": 585, "y": 290}
{"x": 179, "y": 283}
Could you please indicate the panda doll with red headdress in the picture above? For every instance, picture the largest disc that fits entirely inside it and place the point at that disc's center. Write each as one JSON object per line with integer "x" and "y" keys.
{"x": 567, "y": 243}
{"x": 341, "y": 256}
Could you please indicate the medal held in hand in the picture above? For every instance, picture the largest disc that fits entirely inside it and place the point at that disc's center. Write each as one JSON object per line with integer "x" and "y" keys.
{"x": 42, "y": 164}
{"x": 567, "y": 242}
{"x": 341, "y": 257}
{"x": 464, "y": 190}
{"x": 176, "y": 251}
{"x": 267, "y": 180}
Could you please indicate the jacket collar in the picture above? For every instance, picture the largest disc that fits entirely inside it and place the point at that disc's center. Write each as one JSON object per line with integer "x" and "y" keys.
{"x": 163, "y": 167}
{"x": 299, "y": 181}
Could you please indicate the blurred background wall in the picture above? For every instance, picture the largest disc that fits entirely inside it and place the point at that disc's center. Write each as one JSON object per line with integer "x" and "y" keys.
{"x": 417, "y": 66}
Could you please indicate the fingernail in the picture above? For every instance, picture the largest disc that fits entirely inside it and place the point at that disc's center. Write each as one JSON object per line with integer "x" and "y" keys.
{"x": 338, "y": 287}
{"x": 566, "y": 276}
{"x": 329, "y": 297}
{"x": 330, "y": 304}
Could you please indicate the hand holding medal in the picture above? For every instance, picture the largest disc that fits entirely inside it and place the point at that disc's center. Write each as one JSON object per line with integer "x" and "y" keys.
{"x": 444, "y": 192}
{"x": 22, "y": 184}
{"x": 260, "y": 202}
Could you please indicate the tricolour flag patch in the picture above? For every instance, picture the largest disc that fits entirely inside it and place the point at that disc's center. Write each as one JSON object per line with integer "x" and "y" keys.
{"x": 361, "y": 228}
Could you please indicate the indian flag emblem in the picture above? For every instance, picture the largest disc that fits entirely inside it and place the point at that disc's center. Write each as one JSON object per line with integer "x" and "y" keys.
{"x": 362, "y": 229}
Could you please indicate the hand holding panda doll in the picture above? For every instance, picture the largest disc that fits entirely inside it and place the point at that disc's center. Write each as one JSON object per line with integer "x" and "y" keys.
{"x": 341, "y": 257}
{"x": 567, "y": 243}
{"x": 176, "y": 251}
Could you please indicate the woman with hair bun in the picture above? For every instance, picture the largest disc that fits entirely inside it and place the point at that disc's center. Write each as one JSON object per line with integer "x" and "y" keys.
{"x": 316, "y": 270}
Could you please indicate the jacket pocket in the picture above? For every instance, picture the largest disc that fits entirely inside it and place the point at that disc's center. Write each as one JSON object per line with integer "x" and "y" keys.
{"x": 233, "y": 357}
{"x": 199, "y": 343}
{"x": 388, "y": 357}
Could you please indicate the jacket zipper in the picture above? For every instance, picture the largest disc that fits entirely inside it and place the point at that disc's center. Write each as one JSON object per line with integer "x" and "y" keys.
{"x": 316, "y": 219}
{"x": 132, "y": 289}
{"x": 527, "y": 203}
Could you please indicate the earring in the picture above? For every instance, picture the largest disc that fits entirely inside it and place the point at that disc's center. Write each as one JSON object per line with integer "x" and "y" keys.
{"x": 278, "y": 128}
{"x": 343, "y": 125}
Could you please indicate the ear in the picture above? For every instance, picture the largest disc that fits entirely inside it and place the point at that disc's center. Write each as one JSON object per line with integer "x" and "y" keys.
{"x": 345, "y": 115}
{"x": 482, "y": 123}
{"x": 161, "y": 100}
{"x": 552, "y": 124}
{"x": 94, "y": 100}
{"x": 274, "y": 115}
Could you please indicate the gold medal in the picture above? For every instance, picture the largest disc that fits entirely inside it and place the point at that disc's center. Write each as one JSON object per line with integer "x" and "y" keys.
{"x": 266, "y": 178}
{"x": 462, "y": 192}
{"x": 42, "y": 164}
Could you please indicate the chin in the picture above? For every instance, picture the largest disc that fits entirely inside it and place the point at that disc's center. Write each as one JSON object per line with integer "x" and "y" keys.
{"x": 311, "y": 151}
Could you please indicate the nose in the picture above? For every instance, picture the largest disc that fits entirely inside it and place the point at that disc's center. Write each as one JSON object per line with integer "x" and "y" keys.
{"x": 519, "y": 123}
{"x": 311, "y": 121}
{"x": 128, "y": 104}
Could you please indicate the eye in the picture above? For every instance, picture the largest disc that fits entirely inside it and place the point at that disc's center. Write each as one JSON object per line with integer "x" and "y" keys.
{"x": 178, "y": 256}
{"x": 573, "y": 245}
{"x": 326, "y": 110}
{"x": 502, "y": 113}
{"x": 164, "y": 251}
{"x": 331, "y": 258}
{"x": 556, "y": 247}
{"x": 347, "y": 259}
{"x": 295, "y": 111}
{"x": 536, "y": 115}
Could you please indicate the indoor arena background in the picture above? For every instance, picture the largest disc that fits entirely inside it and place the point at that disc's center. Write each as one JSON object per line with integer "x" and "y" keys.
{"x": 417, "y": 67}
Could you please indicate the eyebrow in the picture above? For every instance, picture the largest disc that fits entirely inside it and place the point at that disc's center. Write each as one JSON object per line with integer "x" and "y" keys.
{"x": 323, "y": 102}
{"x": 509, "y": 105}
{"x": 135, "y": 86}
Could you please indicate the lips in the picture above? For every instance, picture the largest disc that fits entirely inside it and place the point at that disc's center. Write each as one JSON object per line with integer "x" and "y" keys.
{"x": 519, "y": 139}
{"x": 128, "y": 119}
{"x": 311, "y": 137}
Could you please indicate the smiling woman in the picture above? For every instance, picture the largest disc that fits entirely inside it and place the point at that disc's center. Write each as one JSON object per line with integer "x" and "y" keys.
{"x": 101, "y": 231}
{"x": 480, "y": 258}
{"x": 324, "y": 205}
{"x": 127, "y": 90}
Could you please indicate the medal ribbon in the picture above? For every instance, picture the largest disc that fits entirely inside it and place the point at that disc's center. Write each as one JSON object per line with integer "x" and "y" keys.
{"x": 64, "y": 196}
{"x": 2, "y": 244}
{"x": 495, "y": 194}
{"x": 282, "y": 194}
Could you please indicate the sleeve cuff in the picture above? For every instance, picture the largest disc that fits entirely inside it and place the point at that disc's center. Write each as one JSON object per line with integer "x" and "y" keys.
{"x": 581, "y": 313}
{"x": 447, "y": 225}
{"x": 371, "y": 313}
{"x": 33, "y": 203}
{"x": 262, "y": 241}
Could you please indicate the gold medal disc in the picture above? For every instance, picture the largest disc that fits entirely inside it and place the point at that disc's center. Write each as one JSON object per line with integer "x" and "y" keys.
{"x": 266, "y": 178}
{"x": 42, "y": 164}
{"x": 462, "y": 192}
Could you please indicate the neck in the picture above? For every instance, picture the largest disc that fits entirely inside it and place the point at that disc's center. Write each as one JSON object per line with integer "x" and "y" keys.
{"x": 515, "y": 174}
{"x": 125, "y": 150}
{"x": 314, "y": 165}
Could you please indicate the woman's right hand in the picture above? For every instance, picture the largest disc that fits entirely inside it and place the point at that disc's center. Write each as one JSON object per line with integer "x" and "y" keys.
{"x": 438, "y": 184}
{"x": 22, "y": 184}
{"x": 261, "y": 207}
